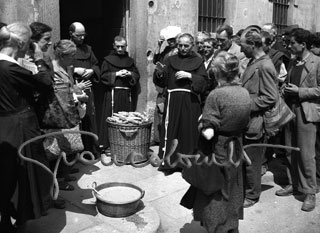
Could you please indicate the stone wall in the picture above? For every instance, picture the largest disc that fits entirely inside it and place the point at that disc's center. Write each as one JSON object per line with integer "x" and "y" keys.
{"x": 147, "y": 18}
{"x": 305, "y": 13}
{"x": 28, "y": 11}
{"x": 242, "y": 13}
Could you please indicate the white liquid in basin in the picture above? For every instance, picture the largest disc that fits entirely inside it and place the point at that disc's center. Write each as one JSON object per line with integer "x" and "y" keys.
{"x": 120, "y": 194}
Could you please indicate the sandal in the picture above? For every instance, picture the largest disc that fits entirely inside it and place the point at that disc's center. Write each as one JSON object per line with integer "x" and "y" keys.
{"x": 65, "y": 186}
{"x": 70, "y": 178}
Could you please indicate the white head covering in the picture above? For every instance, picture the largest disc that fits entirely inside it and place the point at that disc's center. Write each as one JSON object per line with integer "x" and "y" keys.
{"x": 170, "y": 32}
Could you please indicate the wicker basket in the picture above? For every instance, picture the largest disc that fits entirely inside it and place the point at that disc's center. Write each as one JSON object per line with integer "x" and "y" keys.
{"x": 125, "y": 139}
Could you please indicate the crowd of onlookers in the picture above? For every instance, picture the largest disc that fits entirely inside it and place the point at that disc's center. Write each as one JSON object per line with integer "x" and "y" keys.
{"x": 213, "y": 90}
{"x": 194, "y": 75}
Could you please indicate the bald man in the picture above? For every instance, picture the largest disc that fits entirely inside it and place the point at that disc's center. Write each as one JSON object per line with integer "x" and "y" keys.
{"x": 86, "y": 68}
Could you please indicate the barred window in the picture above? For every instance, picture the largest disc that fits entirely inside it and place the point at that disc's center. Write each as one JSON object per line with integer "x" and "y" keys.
{"x": 280, "y": 14}
{"x": 211, "y": 14}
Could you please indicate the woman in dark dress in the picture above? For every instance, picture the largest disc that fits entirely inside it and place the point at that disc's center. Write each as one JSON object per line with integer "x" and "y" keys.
{"x": 185, "y": 78}
{"x": 225, "y": 116}
{"x": 18, "y": 123}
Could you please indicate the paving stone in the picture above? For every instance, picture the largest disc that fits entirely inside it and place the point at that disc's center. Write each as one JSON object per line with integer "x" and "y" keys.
{"x": 163, "y": 193}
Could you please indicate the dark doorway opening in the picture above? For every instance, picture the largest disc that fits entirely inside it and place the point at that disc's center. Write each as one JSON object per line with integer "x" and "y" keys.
{"x": 103, "y": 21}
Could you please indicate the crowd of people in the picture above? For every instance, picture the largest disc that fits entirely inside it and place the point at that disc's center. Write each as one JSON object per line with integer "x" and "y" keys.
{"x": 203, "y": 82}
{"x": 214, "y": 77}
{"x": 30, "y": 74}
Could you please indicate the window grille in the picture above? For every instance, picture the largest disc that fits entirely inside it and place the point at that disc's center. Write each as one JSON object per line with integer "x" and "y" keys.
{"x": 280, "y": 14}
{"x": 211, "y": 14}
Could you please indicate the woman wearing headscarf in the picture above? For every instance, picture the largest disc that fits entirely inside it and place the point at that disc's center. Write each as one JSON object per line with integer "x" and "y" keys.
{"x": 19, "y": 123}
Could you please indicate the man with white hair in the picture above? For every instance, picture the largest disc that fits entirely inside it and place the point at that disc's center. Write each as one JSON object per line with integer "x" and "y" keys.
{"x": 199, "y": 41}
{"x": 86, "y": 68}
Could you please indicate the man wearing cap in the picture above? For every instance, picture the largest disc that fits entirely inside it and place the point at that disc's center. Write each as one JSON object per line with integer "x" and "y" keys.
{"x": 86, "y": 68}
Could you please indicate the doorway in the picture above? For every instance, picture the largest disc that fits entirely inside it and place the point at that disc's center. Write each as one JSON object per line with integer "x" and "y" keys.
{"x": 103, "y": 21}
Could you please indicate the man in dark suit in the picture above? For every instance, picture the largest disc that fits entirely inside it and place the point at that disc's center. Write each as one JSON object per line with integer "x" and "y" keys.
{"x": 259, "y": 79}
{"x": 302, "y": 94}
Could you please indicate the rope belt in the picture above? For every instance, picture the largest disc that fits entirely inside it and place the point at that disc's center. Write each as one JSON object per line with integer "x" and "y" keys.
{"x": 166, "y": 122}
{"x": 122, "y": 88}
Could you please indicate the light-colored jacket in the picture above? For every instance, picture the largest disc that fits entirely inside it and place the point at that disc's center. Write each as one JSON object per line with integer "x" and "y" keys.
{"x": 309, "y": 87}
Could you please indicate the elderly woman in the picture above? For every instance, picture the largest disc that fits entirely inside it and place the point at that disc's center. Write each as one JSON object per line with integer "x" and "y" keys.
{"x": 18, "y": 123}
{"x": 185, "y": 78}
{"x": 220, "y": 208}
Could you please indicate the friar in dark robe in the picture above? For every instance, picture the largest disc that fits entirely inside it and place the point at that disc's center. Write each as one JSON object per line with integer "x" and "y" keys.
{"x": 185, "y": 78}
{"x": 86, "y": 68}
{"x": 119, "y": 76}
